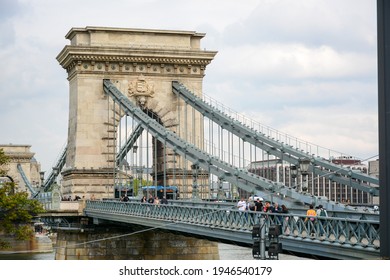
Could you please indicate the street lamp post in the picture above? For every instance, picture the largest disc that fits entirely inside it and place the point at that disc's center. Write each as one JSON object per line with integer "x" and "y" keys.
{"x": 139, "y": 189}
{"x": 294, "y": 174}
{"x": 56, "y": 171}
{"x": 221, "y": 192}
{"x": 42, "y": 178}
{"x": 140, "y": 183}
{"x": 195, "y": 191}
{"x": 304, "y": 164}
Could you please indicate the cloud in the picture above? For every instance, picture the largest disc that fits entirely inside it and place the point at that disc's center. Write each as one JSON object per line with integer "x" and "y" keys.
{"x": 307, "y": 68}
{"x": 313, "y": 23}
{"x": 8, "y": 10}
{"x": 283, "y": 62}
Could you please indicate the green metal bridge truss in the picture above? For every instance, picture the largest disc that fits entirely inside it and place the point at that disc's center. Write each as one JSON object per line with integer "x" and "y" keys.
{"x": 241, "y": 177}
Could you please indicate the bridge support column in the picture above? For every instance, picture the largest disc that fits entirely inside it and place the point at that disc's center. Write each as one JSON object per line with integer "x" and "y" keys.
{"x": 87, "y": 182}
{"x": 114, "y": 244}
{"x": 142, "y": 64}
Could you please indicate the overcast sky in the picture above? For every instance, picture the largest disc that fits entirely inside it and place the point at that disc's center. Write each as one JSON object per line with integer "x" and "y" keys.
{"x": 304, "y": 67}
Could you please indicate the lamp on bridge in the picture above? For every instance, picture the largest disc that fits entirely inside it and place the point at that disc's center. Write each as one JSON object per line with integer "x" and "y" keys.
{"x": 56, "y": 171}
{"x": 195, "y": 191}
{"x": 304, "y": 164}
{"x": 221, "y": 192}
{"x": 139, "y": 189}
{"x": 140, "y": 173}
{"x": 42, "y": 178}
{"x": 294, "y": 174}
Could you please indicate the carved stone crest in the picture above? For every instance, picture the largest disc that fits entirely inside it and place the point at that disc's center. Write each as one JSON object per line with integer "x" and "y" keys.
{"x": 141, "y": 90}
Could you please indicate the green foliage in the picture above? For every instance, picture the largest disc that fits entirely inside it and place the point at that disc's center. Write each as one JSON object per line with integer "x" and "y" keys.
{"x": 16, "y": 210}
{"x": 143, "y": 184}
{"x": 3, "y": 161}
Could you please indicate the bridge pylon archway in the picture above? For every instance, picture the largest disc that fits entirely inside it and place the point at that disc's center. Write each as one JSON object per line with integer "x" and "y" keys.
{"x": 142, "y": 63}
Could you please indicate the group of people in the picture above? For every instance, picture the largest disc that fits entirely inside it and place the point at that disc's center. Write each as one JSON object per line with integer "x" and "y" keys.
{"x": 154, "y": 200}
{"x": 151, "y": 200}
{"x": 258, "y": 206}
{"x": 312, "y": 213}
{"x": 69, "y": 198}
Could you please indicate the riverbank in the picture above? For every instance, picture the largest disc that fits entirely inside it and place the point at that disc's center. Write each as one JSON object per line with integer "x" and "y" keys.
{"x": 40, "y": 243}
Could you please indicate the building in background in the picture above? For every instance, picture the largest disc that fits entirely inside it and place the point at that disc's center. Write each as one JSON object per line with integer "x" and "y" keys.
{"x": 281, "y": 171}
{"x": 20, "y": 155}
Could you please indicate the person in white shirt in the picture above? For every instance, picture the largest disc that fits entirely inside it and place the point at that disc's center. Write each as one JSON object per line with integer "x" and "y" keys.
{"x": 241, "y": 205}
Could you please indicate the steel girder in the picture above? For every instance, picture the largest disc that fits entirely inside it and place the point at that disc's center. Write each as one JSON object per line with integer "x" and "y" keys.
{"x": 28, "y": 184}
{"x": 288, "y": 153}
{"x": 225, "y": 171}
{"x": 53, "y": 175}
{"x": 129, "y": 144}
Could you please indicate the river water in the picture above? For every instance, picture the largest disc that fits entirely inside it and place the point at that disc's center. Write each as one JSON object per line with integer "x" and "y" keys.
{"x": 226, "y": 252}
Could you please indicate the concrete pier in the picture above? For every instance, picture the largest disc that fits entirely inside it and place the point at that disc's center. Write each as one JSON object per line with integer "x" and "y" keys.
{"x": 125, "y": 244}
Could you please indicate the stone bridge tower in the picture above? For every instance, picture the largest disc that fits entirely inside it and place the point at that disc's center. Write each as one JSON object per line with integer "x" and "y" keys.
{"x": 142, "y": 63}
{"x": 22, "y": 155}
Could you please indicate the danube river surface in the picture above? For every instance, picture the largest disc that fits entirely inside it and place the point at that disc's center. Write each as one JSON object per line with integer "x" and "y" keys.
{"x": 226, "y": 252}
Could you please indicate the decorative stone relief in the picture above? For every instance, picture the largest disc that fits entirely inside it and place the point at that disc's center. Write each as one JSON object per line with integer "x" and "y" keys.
{"x": 141, "y": 90}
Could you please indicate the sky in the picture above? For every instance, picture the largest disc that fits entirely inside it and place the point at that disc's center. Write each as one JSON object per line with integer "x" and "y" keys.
{"x": 307, "y": 68}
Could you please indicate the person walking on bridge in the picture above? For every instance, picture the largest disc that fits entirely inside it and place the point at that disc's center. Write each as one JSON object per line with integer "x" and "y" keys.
{"x": 241, "y": 205}
{"x": 310, "y": 219}
{"x": 258, "y": 205}
{"x": 321, "y": 212}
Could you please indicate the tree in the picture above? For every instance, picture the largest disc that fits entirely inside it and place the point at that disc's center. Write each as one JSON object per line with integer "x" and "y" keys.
{"x": 3, "y": 161}
{"x": 16, "y": 209}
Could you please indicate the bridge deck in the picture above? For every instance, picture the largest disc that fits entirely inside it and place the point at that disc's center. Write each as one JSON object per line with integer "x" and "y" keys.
{"x": 332, "y": 237}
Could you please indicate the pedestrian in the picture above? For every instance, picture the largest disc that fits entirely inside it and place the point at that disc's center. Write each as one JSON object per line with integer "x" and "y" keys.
{"x": 151, "y": 199}
{"x": 164, "y": 200}
{"x": 241, "y": 205}
{"x": 143, "y": 199}
{"x": 258, "y": 205}
{"x": 311, "y": 215}
{"x": 321, "y": 212}
{"x": 275, "y": 208}
{"x": 125, "y": 198}
{"x": 285, "y": 219}
{"x": 250, "y": 204}
{"x": 267, "y": 206}
{"x": 156, "y": 200}
{"x": 284, "y": 209}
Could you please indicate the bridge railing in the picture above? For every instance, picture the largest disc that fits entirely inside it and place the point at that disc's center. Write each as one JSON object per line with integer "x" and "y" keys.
{"x": 357, "y": 233}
